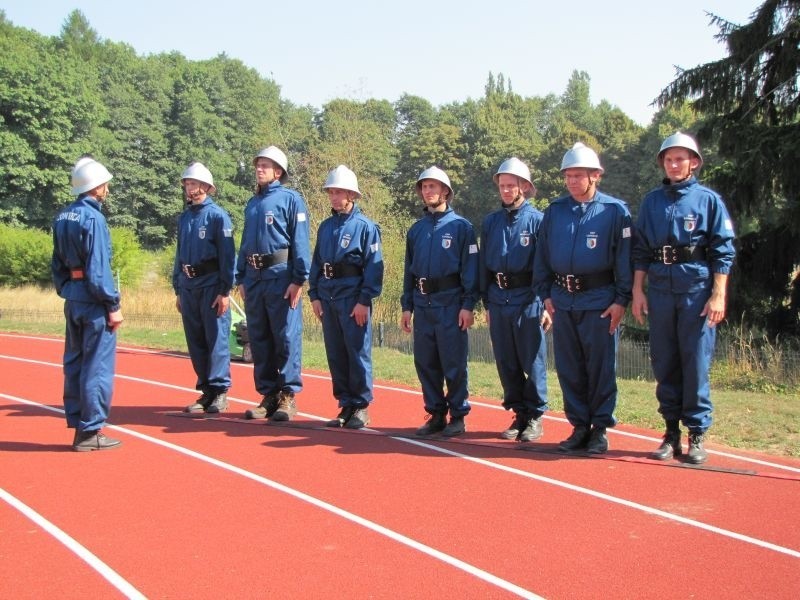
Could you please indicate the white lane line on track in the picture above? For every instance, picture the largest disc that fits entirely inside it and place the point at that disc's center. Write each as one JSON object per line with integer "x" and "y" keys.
{"x": 81, "y": 551}
{"x": 747, "y": 459}
{"x": 500, "y": 467}
{"x": 340, "y": 512}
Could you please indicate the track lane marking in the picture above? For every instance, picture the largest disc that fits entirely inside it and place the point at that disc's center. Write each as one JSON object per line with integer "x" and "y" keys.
{"x": 480, "y": 461}
{"x": 612, "y": 431}
{"x": 326, "y": 506}
{"x": 72, "y": 544}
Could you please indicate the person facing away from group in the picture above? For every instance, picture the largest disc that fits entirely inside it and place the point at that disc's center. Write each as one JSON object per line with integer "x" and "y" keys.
{"x": 272, "y": 266}
{"x": 583, "y": 273}
{"x": 81, "y": 271}
{"x": 346, "y": 276}
{"x": 440, "y": 289}
{"x": 516, "y": 317}
{"x": 202, "y": 277}
{"x": 683, "y": 249}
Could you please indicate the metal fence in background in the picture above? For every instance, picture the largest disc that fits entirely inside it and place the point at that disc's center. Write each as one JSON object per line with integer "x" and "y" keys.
{"x": 777, "y": 365}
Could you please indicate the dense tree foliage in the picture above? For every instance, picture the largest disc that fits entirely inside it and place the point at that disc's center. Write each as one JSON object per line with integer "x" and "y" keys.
{"x": 751, "y": 111}
{"x": 147, "y": 117}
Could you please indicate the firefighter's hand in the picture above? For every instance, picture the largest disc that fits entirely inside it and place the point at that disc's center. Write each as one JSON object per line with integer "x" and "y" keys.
{"x": 465, "y": 319}
{"x": 221, "y": 304}
{"x": 405, "y": 321}
{"x": 293, "y": 293}
{"x": 115, "y": 319}
{"x": 546, "y": 321}
{"x": 360, "y": 314}
{"x": 616, "y": 312}
{"x": 316, "y": 306}
{"x": 241, "y": 291}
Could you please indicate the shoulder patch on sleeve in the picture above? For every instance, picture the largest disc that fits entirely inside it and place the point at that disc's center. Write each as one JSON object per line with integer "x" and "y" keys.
{"x": 473, "y": 248}
{"x": 626, "y": 232}
{"x": 729, "y": 224}
{"x": 301, "y": 217}
{"x": 374, "y": 247}
{"x": 227, "y": 232}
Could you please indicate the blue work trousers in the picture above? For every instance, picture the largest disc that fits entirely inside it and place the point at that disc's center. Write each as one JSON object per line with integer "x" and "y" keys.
{"x": 208, "y": 338}
{"x": 681, "y": 349}
{"x": 586, "y": 362}
{"x": 89, "y": 358}
{"x": 440, "y": 358}
{"x": 348, "y": 347}
{"x": 520, "y": 352}
{"x": 276, "y": 336}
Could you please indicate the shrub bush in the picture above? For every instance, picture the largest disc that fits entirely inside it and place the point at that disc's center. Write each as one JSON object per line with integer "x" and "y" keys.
{"x": 24, "y": 256}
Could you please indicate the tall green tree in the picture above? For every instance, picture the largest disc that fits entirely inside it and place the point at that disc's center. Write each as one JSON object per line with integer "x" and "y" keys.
{"x": 750, "y": 102}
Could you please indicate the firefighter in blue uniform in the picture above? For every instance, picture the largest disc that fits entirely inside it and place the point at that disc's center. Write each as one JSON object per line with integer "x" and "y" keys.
{"x": 517, "y": 319}
{"x": 272, "y": 266}
{"x": 81, "y": 270}
{"x": 346, "y": 276}
{"x": 583, "y": 273}
{"x": 440, "y": 289}
{"x": 684, "y": 249}
{"x": 202, "y": 278}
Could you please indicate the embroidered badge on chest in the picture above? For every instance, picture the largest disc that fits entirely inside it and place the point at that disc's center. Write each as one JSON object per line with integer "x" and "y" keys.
{"x": 202, "y": 233}
{"x": 591, "y": 241}
{"x": 345, "y": 240}
{"x": 269, "y": 218}
{"x": 524, "y": 239}
{"x": 447, "y": 241}
{"x": 690, "y": 222}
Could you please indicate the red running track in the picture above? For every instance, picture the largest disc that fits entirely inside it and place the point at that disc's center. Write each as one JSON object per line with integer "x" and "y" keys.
{"x": 218, "y": 508}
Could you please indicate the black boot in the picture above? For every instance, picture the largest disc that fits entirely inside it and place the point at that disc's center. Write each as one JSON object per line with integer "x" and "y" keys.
{"x": 455, "y": 427}
{"x": 577, "y": 439}
{"x": 671, "y": 445}
{"x": 598, "y": 441}
{"x": 342, "y": 418}
{"x": 267, "y": 408}
{"x": 219, "y": 404}
{"x": 435, "y": 423}
{"x": 697, "y": 454}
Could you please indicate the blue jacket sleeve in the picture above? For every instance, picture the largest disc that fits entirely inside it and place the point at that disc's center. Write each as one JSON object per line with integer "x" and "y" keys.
{"x": 469, "y": 270}
{"x": 97, "y": 269}
{"x": 373, "y": 266}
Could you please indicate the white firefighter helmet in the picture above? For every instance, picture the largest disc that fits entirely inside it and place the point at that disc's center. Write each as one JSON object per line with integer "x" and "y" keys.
{"x": 436, "y": 174}
{"x": 88, "y": 176}
{"x": 514, "y": 166}
{"x": 81, "y": 161}
{"x": 276, "y": 155}
{"x": 200, "y": 172}
{"x": 580, "y": 156}
{"x": 343, "y": 178}
{"x": 679, "y": 140}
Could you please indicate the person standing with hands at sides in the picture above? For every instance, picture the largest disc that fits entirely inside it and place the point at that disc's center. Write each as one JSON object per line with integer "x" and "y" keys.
{"x": 81, "y": 271}
{"x": 272, "y": 266}
{"x": 583, "y": 273}
{"x": 202, "y": 278}
{"x": 346, "y": 276}
{"x": 440, "y": 289}
{"x": 683, "y": 248}
{"x": 516, "y": 317}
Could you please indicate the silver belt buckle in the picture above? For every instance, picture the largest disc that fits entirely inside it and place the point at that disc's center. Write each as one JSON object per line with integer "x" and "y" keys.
{"x": 666, "y": 255}
{"x": 421, "y": 285}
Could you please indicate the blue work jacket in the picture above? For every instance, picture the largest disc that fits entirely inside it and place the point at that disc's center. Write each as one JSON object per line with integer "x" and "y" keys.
{"x": 349, "y": 239}
{"x": 683, "y": 214}
{"x": 81, "y": 240}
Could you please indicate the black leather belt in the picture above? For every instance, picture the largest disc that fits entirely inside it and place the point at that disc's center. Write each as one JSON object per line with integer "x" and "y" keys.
{"x": 203, "y": 268}
{"x": 265, "y": 261}
{"x": 428, "y": 285}
{"x": 670, "y": 255}
{"x": 509, "y": 281}
{"x": 339, "y": 270}
{"x": 582, "y": 283}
